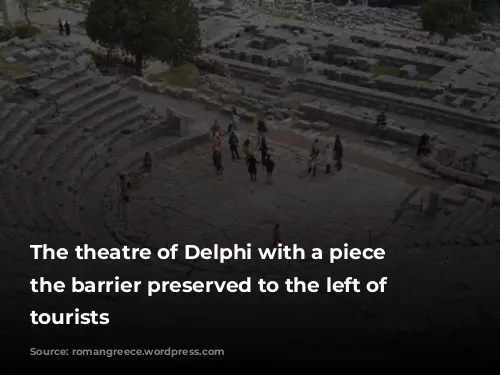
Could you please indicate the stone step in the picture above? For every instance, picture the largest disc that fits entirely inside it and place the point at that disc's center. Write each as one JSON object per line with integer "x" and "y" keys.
{"x": 376, "y": 141}
{"x": 448, "y": 233}
{"x": 72, "y": 101}
{"x": 45, "y": 150}
{"x": 8, "y": 110}
{"x": 74, "y": 84}
{"x": 459, "y": 229}
{"x": 7, "y": 214}
{"x": 82, "y": 156}
{"x": 28, "y": 197}
{"x": 95, "y": 95}
{"x": 439, "y": 224}
{"x": 65, "y": 136}
{"x": 17, "y": 206}
{"x": 59, "y": 78}
{"x": 117, "y": 146}
{"x": 118, "y": 120}
{"x": 32, "y": 156}
{"x": 105, "y": 107}
{"x": 475, "y": 226}
{"x": 489, "y": 235}
{"x": 51, "y": 210}
{"x": 22, "y": 141}
{"x": 10, "y": 127}
{"x": 76, "y": 140}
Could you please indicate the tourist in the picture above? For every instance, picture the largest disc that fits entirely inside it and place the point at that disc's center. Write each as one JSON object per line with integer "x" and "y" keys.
{"x": 246, "y": 149}
{"x": 276, "y": 235}
{"x": 235, "y": 122}
{"x": 252, "y": 167}
{"x": 218, "y": 161}
{"x": 315, "y": 148}
{"x": 215, "y": 129}
{"x": 338, "y": 148}
{"x": 328, "y": 159}
{"x": 233, "y": 146}
{"x": 61, "y": 26}
{"x": 124, "y": 197}
{"x": 269, "y": 169}
{"x": 263, "y": 150}
{"x": 147, "y": 164}
{"x": 313, "y": 162}
{"x": 424, "y": 145}
{"x": 67, "y": 27}
{"x": 381, "y": 127}
{"x": 261, "y": 130}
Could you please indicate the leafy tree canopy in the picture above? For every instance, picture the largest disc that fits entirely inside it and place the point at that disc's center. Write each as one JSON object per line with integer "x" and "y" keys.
{"x": 449, "y": 18}
{"x": 166, "y": 30}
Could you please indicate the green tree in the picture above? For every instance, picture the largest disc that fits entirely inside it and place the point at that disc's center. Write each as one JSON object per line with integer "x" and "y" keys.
{"x": 26, "y": 5}
{"x": 166, "y": 30}
{"x": 449, "y": 18}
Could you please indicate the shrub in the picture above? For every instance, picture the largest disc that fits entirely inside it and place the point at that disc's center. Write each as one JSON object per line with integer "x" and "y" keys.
{"x": 24, "y": 31}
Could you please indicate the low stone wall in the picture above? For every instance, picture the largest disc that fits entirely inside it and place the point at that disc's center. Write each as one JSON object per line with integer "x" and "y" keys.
{"x": 414, "y": 107}
{"x": 471, "y": 179}
{"x": 139, "y": 83}
{"x": 314, "y": 113}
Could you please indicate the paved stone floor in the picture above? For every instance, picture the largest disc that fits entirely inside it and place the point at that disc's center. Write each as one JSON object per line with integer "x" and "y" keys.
{"x": 185, "y": 202}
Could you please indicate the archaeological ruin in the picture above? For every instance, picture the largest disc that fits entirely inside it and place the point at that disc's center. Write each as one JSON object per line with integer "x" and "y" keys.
{"x": 311, "y": 70}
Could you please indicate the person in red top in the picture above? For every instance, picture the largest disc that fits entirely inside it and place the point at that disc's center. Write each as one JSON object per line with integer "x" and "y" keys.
{"x": 276, "y": 235}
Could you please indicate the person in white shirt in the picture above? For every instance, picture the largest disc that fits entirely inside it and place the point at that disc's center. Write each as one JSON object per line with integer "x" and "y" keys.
{"x": 328, "y": 159}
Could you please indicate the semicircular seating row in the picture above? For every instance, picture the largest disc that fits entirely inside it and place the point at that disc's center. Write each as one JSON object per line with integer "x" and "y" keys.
{"x": 471, "y": 225}
{"x": 51, "y": 147}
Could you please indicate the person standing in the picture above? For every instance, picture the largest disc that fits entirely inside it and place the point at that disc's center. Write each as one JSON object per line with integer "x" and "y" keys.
{"x": 61, "y": 26}
{"x": 147, "y": 164}
{"x": 339, "y": 152}
{"x": 269, "y": 169}
{"x": 276, "y": 235}
{"x": 218, "y": 161}
{"x": 263, "y": 150}
{"x": 328, "y": 159}
{"x": 235, "y": 122}
{"x": 67, "y": 28}
{"x": 252, "y": 167}
{"x": 233, "y": 146}
{"x": 261, "y": 130}
{"x": 381, "y": 127}
{"x": 313, "y": 164}
{"x": 246, "y": 149}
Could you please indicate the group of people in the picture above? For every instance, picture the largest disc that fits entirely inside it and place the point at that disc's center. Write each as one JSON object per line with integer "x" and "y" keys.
{"x": 249, "y": 155}
{"x": 64, "y": 27}
{"x": 329, "y": 156}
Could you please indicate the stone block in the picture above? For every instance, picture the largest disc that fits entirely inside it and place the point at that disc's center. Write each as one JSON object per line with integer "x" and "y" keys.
{"x": 493, "y": 183}
{"x": 471, "y": 179}
{"x": 429, "y": 163}
{"x": 85, "y": 60}
{"x": 453, "y": 199}
{"x": 136, "y": 82}
{"x": 447, "y": 172}
{"x": 249, "y": 116}
{"x": 187, "y": 93}
{"x": 25, "y": 78}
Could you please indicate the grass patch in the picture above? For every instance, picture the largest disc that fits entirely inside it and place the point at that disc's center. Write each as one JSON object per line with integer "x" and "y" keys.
{"x": 423, "y": 74}
{"x": 467, "y": 104}
{"x": 182, "y": 76}
{"x": 20, "y": 30}
{"x": 247, "y": 107}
